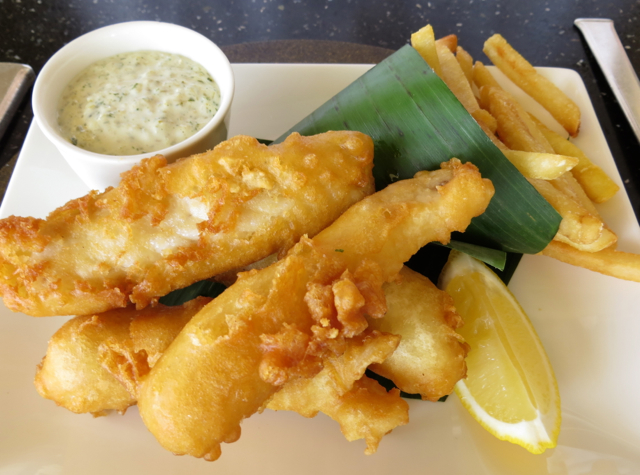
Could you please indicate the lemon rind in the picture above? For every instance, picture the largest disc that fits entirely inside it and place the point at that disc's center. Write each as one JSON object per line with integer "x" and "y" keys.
{"x": 533, "y": 435}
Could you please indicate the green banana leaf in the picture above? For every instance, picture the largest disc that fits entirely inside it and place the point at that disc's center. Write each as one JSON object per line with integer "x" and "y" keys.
{"x": 416, "y": 123}
{"x": 493, "y": 257}
{"x": 203, "y": 288}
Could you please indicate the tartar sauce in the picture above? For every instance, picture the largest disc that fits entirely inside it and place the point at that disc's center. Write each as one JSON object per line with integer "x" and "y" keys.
{"x": 137, "y": 102}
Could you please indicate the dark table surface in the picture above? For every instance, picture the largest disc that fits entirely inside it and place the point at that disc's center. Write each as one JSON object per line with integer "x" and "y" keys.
{"x": 341, "y": 31}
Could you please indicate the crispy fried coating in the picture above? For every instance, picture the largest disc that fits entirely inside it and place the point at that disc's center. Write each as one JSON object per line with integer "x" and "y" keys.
{"x": 359, "y": 404}
{"x": 94, "y": 363}
{"x": 273, "y": 325}
{"x": 167, "y": 226}
{"x": 233, "y": 355}
{"x": 369, "y": 412}
{"x": 430, "y": 359}
{"x": 445, "y": 200}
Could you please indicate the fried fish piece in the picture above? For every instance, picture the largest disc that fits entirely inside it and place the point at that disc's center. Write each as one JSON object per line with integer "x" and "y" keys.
{"x": 94, "y": 363}
{"x": 306, "y": 305}
{"x": 431, "y": 356}
{"x": 430, "y": 359}
{"x": 167, "y": 226}
{"x": 362, "y": 407}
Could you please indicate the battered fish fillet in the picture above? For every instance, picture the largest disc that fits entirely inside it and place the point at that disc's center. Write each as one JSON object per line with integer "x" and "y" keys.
{"x": 94, "y": 363}
{"x": 359, "y": 404}
{"x": 430, "y": 359}
{"x": 280, "y": 323}
{"x": 167, "y": 226}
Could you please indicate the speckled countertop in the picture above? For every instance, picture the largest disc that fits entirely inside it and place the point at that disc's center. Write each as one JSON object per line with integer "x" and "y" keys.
{"x": 347, "y": 31}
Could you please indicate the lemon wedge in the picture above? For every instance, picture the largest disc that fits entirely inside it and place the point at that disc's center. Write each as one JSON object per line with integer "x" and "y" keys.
{"x": 510, "y": 387}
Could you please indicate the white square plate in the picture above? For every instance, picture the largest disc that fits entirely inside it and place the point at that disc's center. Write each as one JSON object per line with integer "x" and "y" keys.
{"x": 587, "y": 322}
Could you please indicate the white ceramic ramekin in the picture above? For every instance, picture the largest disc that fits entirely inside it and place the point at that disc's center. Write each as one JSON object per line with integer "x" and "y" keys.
{"x": 100, "y": 171}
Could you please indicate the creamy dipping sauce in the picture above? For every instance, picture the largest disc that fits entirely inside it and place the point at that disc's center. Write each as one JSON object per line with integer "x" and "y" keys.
{"x": 137, "y": 102}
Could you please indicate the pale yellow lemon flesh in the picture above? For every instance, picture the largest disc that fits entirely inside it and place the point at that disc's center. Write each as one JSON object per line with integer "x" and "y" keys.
{"x": 510, "y": 386}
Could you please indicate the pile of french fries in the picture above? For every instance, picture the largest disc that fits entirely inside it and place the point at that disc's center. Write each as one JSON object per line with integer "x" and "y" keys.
{"x": 556, "y": 167}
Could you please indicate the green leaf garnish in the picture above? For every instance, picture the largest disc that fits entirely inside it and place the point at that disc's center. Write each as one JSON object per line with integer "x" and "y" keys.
{"x": 493, "y": 257}
{"x": 417, "y": 123}
{"x": 204, "y": 288}
{"x": 388, "y": 385}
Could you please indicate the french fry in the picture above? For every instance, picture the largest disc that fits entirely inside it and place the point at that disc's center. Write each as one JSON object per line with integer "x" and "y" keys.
{"x": 450, "y": 41}
{"x": 424, "y": 42}
{"x": 482, "y": 76}
{"x": 515, "y": 127}
{"x": 466, "y": 63}
{"x": 578, "y": 228}
{"x": 622, "y": 265}
{"x": 524, "y": 75}
{"x": 570, "y": 186}
{"x": 537, "y": 152}
{"x": 605, "y": 241}
{"x": 581, "y": 225}
{"x": 484, "y": 117}
{"x": 545, "y": 166}
{"x": 454, "y": 78}
{"x": 595, "y": 182}
{"x": 491, "y": 134}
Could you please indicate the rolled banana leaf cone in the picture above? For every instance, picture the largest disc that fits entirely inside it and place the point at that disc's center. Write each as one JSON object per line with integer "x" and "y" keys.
{"x": 416, "y": 123}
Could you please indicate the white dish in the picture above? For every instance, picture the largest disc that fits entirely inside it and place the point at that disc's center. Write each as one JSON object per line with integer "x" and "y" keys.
{"x": 588, "y": 323}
